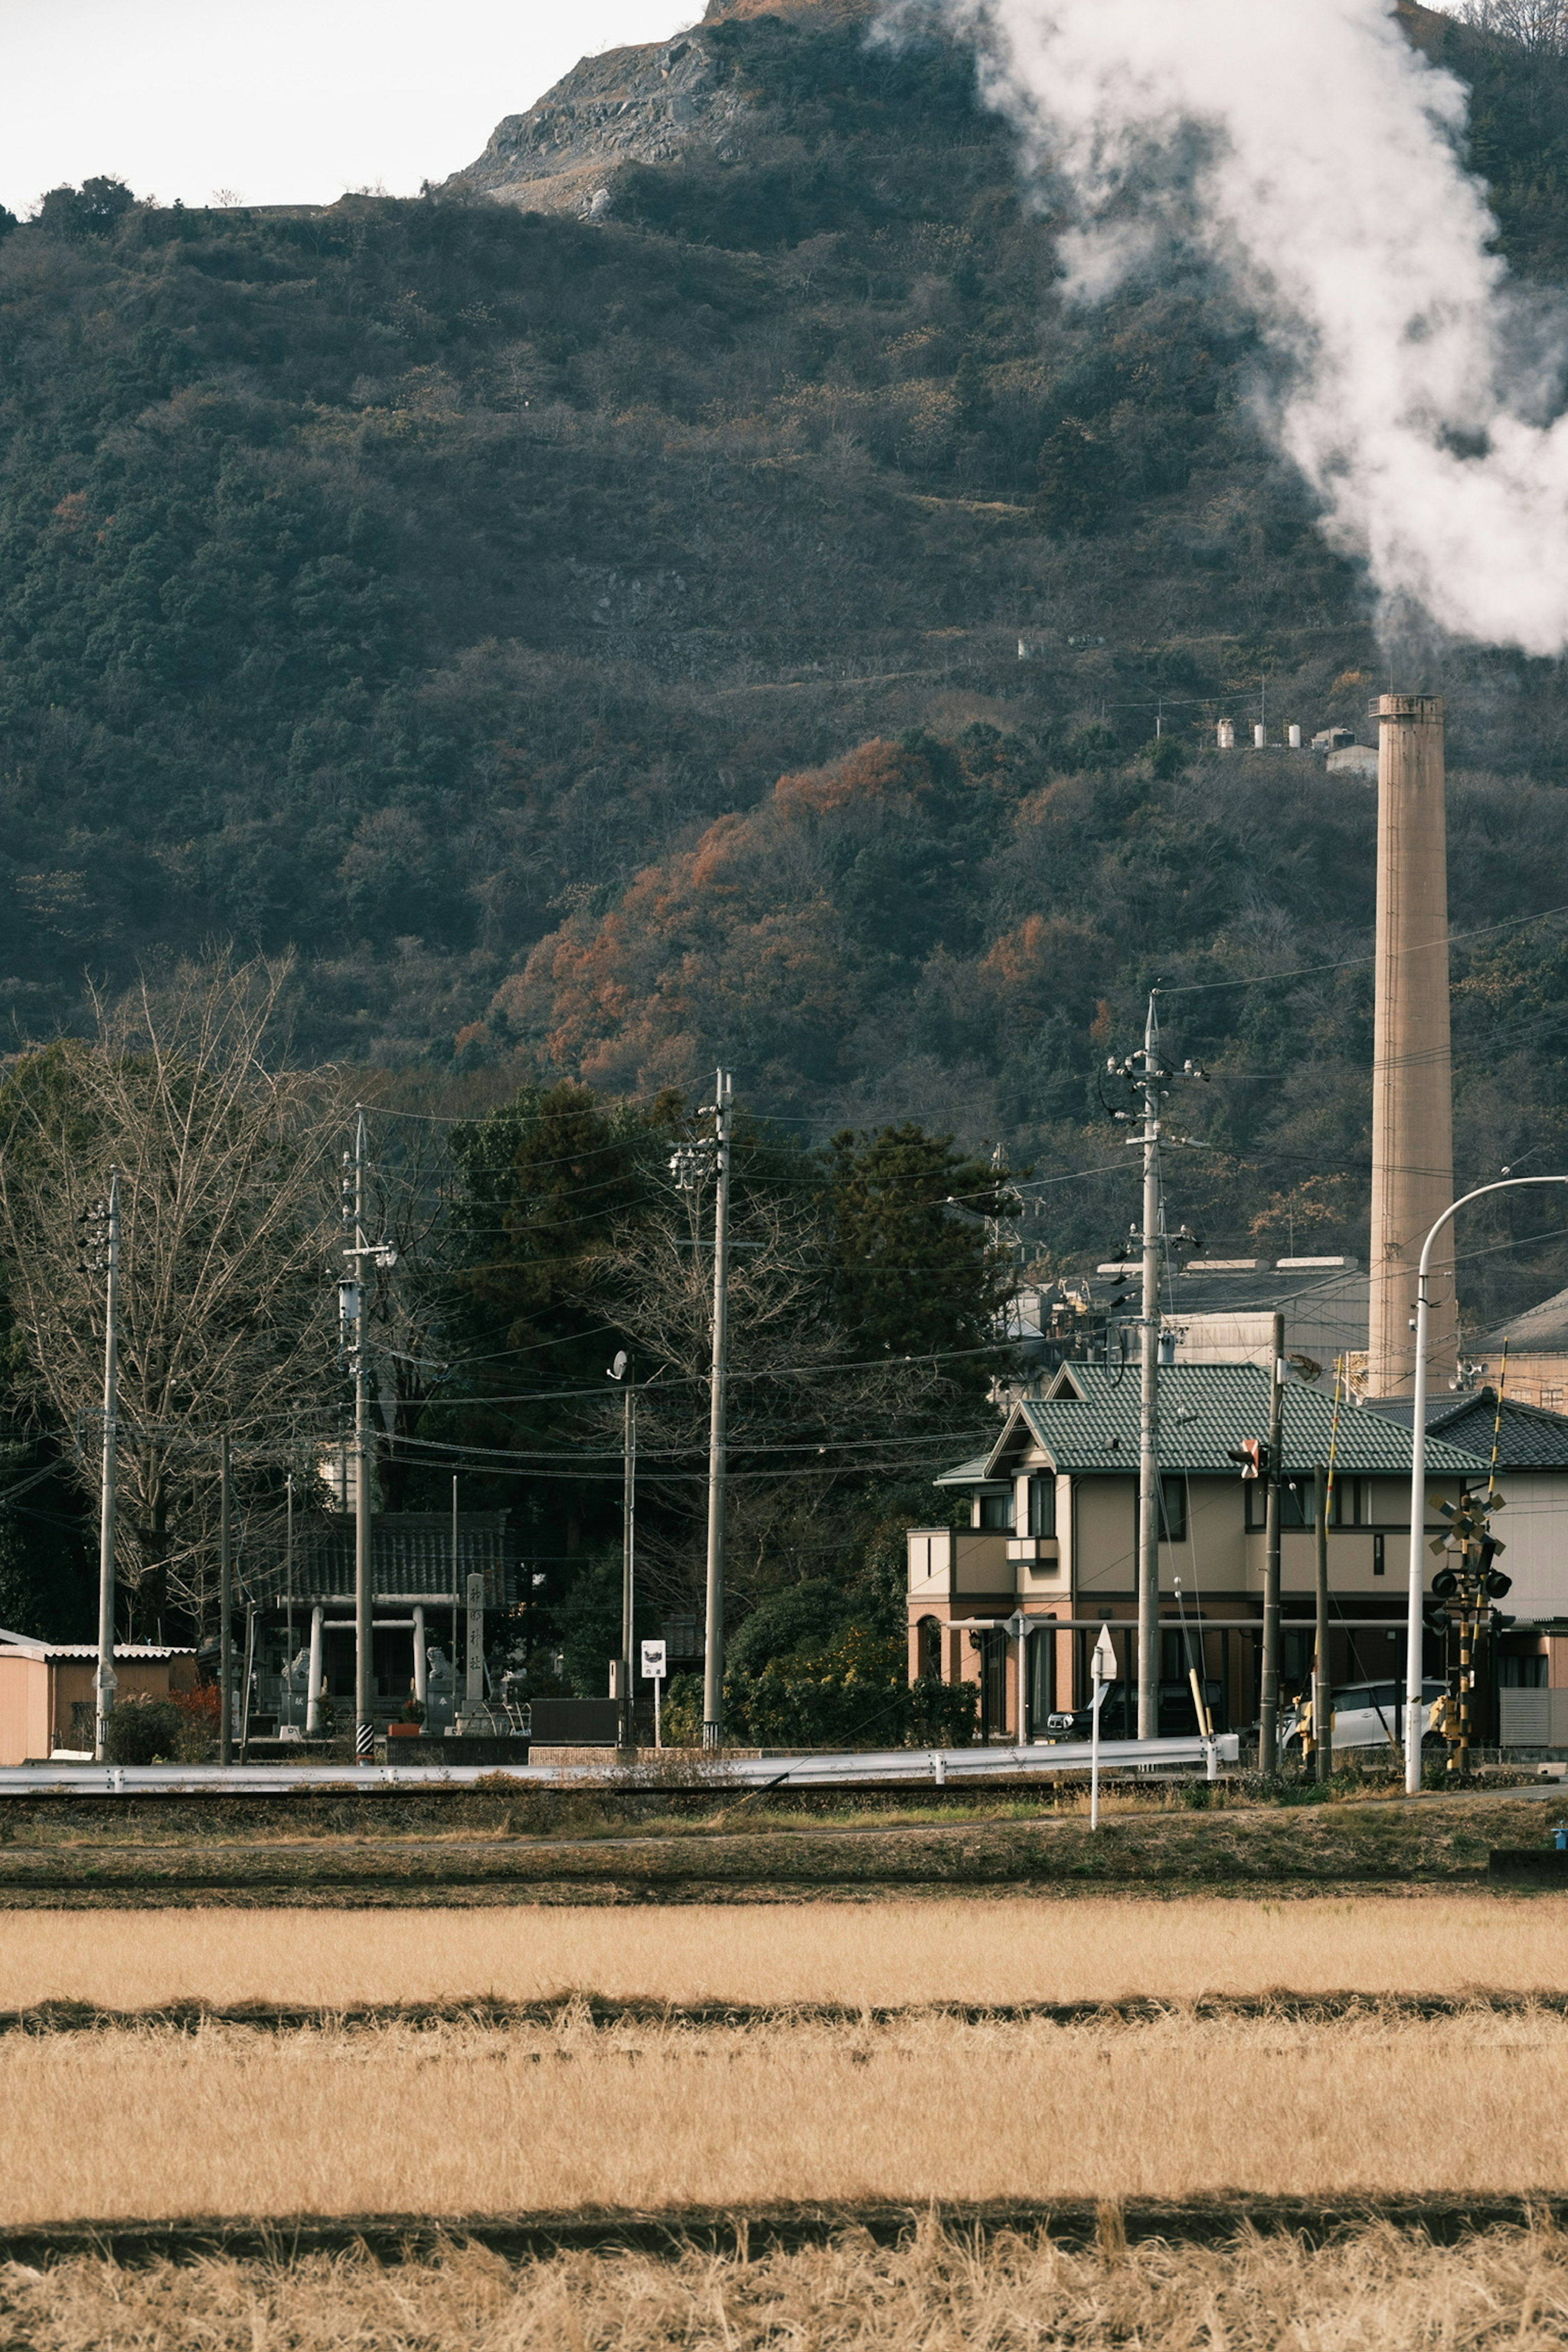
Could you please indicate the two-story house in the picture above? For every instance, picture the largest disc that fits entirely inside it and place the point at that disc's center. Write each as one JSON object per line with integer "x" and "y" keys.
{"x": 1051, "y": 1544}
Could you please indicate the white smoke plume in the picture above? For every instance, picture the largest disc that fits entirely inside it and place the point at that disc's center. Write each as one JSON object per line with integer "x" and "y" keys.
{"x": 1317, "y": 158}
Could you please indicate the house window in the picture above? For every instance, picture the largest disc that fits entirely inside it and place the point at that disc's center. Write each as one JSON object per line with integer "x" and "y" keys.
{"x": 1297, "y": 1502}
{"x": 1042, "y": 1506}
{"x": 1174, "y": 1510}
{"x": 1552, "y": 1400}
{"x": 1521, "y": 1673}
{"x": 996, "y": 1510}
{"x": 1380, "y": 1555}
{"x": 929, "y": 1650}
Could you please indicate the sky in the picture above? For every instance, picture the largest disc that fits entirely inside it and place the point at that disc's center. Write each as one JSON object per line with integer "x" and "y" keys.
{"x": 279, "y": 102}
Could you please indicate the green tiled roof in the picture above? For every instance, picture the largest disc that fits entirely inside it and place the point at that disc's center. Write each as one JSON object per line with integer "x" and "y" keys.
{"x": 967, "y": 1473}
{"x": 1204, "y": 1410}
{"x": 1530, "y": 1438}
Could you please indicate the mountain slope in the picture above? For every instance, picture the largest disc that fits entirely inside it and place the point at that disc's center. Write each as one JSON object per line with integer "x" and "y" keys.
{"x": 423, "y": 583}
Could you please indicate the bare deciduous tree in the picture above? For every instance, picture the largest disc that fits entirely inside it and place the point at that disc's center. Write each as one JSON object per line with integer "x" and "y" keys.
{"x": 228, "y": 1222}
{"x": 1540, "y": 27}
{"x": 804, "y": 1424}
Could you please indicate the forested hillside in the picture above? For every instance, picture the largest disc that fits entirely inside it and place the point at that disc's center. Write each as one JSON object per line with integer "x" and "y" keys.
{"x": 445, "y": 589}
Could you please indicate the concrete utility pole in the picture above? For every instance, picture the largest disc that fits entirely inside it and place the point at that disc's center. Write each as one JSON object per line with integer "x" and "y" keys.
{"x": 1412, "y": 1073}
{"x": 1269, "y": 1697}
{"x": 106, "y": 1682}
{"x": 224, "y": 1610}
{"x": 1322, "y": 1709}
{"x": 1149, "y": 1396}
{"x": 1149, "y": 1080}
{"x": 624, "y": 1369}
{"x": 365, "y": 1681}
{"x": 713, "y": 1661}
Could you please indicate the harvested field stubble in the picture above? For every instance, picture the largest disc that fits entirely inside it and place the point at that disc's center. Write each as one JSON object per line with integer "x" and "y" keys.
{"x": 149, "y": 2124}
{"x": 891, "y": 1954}
{"x": 1380, "y": 2290}
{"x": 737, "y": 1854}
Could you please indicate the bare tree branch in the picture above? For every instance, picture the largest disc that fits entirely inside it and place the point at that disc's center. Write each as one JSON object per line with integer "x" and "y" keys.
{"x": 228, "y": 1183}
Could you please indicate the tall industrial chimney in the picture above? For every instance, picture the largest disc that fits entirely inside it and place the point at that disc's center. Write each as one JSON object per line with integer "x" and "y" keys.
{"x": 1412, "y": 1071}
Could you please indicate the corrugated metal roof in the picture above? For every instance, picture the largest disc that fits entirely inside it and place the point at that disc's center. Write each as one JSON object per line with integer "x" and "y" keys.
{"x": 1530, "y": 1438}
{"x": 136, "y": 1650}
{"x": 1540, "y": 1329}
{"x": 1204, "y": 1410}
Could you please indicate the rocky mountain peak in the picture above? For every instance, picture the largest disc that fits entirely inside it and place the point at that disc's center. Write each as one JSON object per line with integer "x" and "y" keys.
{"x": 644, "y": 105}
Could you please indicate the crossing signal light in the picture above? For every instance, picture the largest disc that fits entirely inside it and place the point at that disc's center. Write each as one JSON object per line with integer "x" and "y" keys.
{"x": 1253, "y": 1456}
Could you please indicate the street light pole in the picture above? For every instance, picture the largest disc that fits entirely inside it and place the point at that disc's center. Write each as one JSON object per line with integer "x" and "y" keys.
{"x": 1413, "y": 1626}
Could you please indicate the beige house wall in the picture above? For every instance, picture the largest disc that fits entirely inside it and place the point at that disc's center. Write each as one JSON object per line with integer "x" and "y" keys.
{"x": 24, "y": 1708}
{"x": 1105, "y": 1538}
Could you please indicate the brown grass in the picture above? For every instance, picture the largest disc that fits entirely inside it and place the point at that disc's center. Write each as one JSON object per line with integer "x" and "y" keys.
{"x": 887, "y": 1954}
{"x": 121, "y": 2123}
{"x": 1378, "y": 2291}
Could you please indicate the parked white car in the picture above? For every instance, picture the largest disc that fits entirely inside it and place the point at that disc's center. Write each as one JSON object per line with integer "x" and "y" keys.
{"x": 1372, "y": 1715}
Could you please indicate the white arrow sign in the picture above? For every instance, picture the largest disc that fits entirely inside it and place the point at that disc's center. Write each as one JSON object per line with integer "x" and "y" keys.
{"x": 1103, "y": 1669}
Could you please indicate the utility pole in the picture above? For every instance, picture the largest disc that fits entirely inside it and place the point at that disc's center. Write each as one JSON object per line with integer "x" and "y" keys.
{"x": 225, "y": 1611}
{"x": 1268, "y": 1697}
{"x": 1322, "y": 1713}
{"x": 1149, "y": 1397}
{"x": 288, "y": 1593}
{"x": 1148, "y": 1079}
{"x": 713, "y": 1661}
{"x": 106, "y": 1682}
{"x": 355, "y": 1317}
{"x": 688, "y": 1164}
{"x": 625, "y": 1370}
{"x": 365, "y": 1727}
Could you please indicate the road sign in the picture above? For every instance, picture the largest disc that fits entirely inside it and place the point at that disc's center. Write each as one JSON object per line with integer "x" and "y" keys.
{"x": 1103, "y": 1669}
{"x": 654, "y": 1665}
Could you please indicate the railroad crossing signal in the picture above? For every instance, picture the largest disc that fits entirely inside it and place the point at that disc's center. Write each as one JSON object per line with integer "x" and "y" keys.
{"x": 1253, "y": 1456}
{"x": 1469, "y": 1585}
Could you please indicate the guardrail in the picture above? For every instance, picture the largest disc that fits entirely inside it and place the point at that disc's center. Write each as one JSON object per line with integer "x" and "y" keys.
{"x": 1044, "y": 1760}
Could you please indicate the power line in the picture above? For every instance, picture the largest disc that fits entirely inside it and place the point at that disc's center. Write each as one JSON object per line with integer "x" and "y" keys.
{"x": 1347, "y": 963}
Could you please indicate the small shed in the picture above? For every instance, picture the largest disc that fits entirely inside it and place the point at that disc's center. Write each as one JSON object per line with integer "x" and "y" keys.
{"x": 46, "y": 1694}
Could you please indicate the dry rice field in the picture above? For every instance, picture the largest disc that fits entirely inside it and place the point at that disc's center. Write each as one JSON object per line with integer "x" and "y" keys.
{"x": 159, "y": 2125}
{"x": 657, "y": 2108}
{"x": 1379, "y": 2291}
{"x": 887, "y": 1954}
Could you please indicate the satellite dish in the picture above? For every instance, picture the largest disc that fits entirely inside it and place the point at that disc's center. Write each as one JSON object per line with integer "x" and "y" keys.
{"x": 618, "y": 1369}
